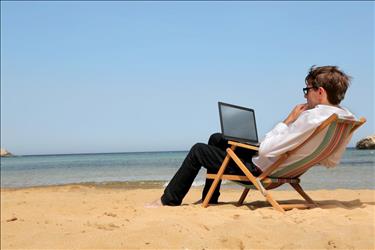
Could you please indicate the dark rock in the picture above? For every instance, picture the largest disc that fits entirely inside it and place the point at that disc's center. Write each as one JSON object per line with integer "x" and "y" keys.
{"x": 366, "y": 143}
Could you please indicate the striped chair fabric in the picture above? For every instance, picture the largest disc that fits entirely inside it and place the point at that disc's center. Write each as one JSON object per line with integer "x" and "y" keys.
{"x": 336, "y": 134}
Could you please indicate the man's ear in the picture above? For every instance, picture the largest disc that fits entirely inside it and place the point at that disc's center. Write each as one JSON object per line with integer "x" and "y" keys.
{"x": 322, "y": 95}
{"x": 321, "y": 91}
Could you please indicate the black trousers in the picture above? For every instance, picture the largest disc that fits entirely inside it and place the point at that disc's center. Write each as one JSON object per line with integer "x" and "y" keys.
{"x": 210, "y": 156}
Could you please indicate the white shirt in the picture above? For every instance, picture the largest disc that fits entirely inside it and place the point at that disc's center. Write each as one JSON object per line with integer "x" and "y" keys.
{"x": 283, "y": 138}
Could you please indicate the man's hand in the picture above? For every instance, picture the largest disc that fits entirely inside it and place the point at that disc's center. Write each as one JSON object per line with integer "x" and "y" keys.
{"x": 296, "y": 112}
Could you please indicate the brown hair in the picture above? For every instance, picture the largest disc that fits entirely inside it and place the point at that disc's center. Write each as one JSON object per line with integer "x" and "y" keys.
{"x": 334, "y": 81}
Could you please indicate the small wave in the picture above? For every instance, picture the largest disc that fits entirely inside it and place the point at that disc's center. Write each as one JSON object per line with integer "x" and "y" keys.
{"x": 356, "y": 163}
{"x": 198, "y": 183}
{"x": 195, "y": 183}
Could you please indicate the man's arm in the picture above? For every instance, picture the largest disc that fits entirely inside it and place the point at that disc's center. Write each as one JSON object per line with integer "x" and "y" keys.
{"x": 296, "y": 112}
{"x": 285, "y": 136}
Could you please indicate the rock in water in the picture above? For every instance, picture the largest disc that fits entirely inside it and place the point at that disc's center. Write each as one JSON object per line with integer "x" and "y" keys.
{"x": 366, "y": 143}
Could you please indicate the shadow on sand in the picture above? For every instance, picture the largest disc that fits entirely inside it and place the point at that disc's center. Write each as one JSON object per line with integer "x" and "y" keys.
{"x": 324, "y": 204}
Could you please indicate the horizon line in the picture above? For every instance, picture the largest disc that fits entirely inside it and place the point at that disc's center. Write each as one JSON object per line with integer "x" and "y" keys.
{"x": 134, "y": 152}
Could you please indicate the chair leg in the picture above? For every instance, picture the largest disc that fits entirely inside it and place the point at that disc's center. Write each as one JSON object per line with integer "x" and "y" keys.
{"x": 243, "y": 196}
{"x": 252, "y": 179}
{"x": 299, "y": 189}
{"x": 274, "y": 203}
{"x": 216, "y": 180}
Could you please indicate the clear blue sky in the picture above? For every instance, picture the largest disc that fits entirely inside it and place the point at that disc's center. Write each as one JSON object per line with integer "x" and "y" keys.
{"x": 146, "y": 76}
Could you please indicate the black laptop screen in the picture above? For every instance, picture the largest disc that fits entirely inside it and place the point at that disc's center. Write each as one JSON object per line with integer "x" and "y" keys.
{"x": 238, "y": 122}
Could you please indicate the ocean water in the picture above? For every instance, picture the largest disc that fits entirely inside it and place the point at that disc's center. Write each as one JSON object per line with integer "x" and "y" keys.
{"x": 356, "y": 170}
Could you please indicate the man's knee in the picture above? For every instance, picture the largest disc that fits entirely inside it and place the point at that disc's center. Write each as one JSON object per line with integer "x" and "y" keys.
{"x": 197, "y": 152}
{"x": 198, "y": 147}
{"x": 215, "y": 139}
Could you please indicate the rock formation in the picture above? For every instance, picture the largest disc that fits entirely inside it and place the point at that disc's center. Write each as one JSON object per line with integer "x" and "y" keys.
{"x": 3, "y": 152}
{"x": 366, "y": 143}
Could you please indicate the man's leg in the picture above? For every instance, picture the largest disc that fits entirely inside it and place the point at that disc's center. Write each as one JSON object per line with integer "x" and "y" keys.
{"x": 216, "y": 140}
{"x": 199, "y": 155}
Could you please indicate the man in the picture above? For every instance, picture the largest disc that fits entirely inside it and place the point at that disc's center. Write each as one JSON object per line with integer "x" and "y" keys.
{"x": 325, "y": 89}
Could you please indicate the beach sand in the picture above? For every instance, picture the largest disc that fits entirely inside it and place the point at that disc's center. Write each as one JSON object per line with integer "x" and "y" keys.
{"x": 82, "y": 217}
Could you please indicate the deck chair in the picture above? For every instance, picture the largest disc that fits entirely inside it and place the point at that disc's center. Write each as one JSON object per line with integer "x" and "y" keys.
{"x": 335, "y": 133}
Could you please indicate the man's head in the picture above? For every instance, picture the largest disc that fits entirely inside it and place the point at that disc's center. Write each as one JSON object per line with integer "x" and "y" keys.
{"x": 326, "y": 85}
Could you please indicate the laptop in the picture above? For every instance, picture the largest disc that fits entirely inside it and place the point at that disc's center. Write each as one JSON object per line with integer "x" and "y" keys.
{"x": 238, "y": 124}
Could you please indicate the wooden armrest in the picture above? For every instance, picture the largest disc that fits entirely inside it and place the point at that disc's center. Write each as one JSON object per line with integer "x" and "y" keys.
{"x": 242, "y": 145}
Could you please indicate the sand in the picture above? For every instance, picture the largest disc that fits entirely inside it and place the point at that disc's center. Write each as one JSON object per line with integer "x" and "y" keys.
{"x": 87, "y": 217}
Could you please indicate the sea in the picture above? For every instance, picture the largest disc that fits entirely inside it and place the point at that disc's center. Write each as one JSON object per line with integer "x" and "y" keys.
{"x": 155, "y": 169}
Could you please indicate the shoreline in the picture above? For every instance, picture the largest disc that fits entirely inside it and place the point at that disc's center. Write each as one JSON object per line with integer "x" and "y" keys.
{"x": 109, "y": 185}
{"x": 154, "y": 184}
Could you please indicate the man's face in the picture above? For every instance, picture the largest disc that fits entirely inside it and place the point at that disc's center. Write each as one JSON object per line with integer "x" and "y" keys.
{"x": 312, "y": 96}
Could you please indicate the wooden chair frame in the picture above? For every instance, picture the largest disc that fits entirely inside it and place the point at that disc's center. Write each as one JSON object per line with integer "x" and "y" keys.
{"x": 257, "y": 181}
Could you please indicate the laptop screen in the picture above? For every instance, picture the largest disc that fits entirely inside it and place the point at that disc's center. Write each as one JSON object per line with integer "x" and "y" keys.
{"x": 238, "y": 122}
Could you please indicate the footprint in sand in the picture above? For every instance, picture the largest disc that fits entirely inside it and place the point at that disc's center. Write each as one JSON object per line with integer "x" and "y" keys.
{"x": 241, "y": 245}
{"x": 331, "y": 244}
{"x": 12, "y": 219}
{"x": 298, "y": 220}
{"x": 236, "y": 216}
{"x": 110, "y": 214}
{"x": 223, "y": 240}
{"x": 206, "y": 227}
{"x": 107, "y": 227}
{"x": 348, "y": 217}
